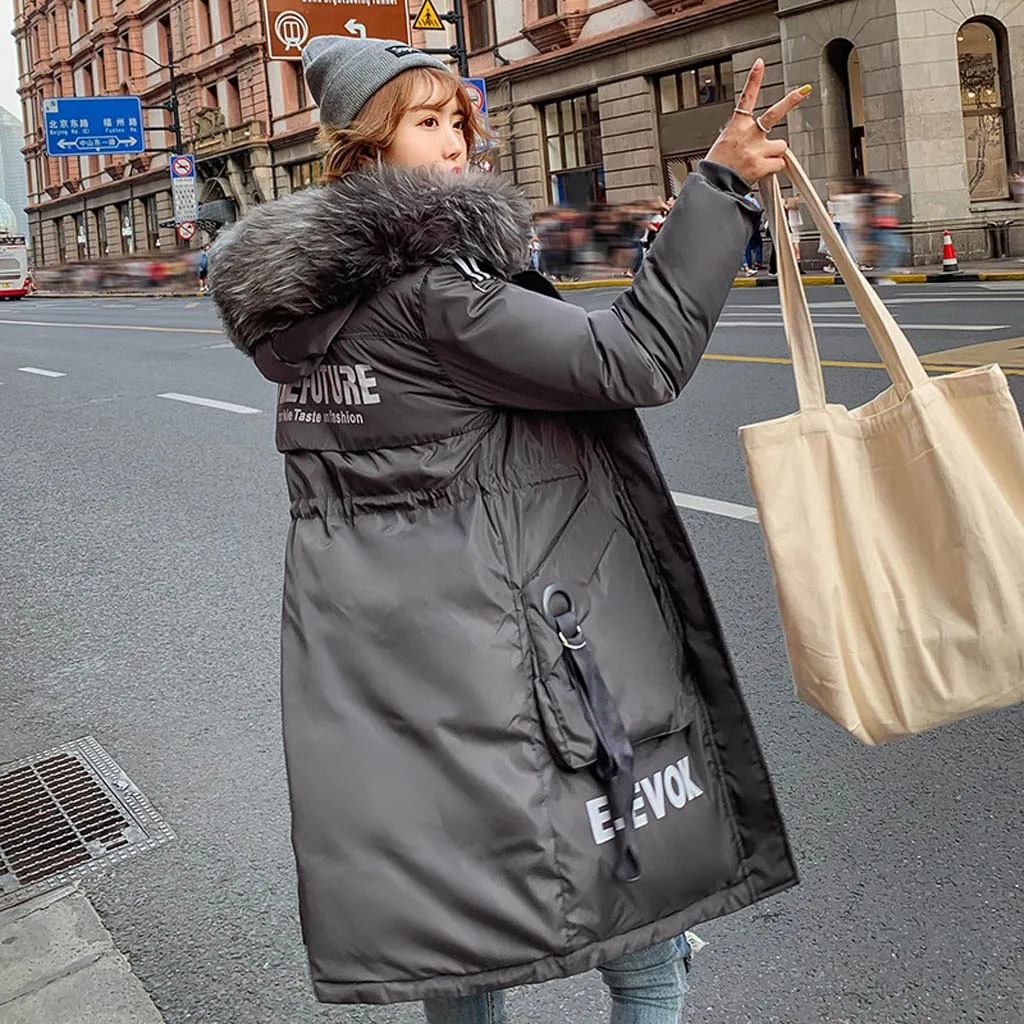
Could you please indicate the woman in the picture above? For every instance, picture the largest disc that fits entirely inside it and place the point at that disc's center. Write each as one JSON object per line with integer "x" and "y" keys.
{"x": 516, "y": 749}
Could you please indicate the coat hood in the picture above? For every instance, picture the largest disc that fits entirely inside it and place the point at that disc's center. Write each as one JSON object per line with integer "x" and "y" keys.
{"x": 328, "y": 245}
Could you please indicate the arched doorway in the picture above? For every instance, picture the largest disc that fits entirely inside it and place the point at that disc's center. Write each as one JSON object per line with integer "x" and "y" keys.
{"x": 843, "y": 110}
{"x": 986, "y": 107}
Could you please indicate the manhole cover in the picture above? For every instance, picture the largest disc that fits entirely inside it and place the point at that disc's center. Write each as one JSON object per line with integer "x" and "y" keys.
{"x": 66, "y": 812}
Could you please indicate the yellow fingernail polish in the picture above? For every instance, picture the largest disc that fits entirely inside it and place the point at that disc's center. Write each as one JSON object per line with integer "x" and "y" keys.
{"x": 806, "y": 90}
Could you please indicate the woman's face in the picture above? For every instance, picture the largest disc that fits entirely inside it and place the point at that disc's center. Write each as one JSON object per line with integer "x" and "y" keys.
{"x": 430, "y": 135}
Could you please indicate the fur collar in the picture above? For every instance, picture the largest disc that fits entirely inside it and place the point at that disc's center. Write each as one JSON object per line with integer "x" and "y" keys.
{"x": 319, "y": 248}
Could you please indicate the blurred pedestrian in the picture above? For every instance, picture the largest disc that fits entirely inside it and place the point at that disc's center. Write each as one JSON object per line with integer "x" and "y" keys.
{"x": 754, "y": 253}
{"x": 516, "y": 749}
{"x": 204, "y": 267}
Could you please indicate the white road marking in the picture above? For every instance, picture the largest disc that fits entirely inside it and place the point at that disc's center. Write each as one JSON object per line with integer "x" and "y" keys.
{"x": 223, "y": 344}
{"x": 211, "y": 403}
{"x": 113, "y": 327}
{"x": 777, "y": 325}
{"x": 715, "y": 507}
{"x": 41, "y": 373}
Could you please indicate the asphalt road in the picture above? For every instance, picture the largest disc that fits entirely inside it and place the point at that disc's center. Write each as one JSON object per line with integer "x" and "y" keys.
{"x": 139, "y": 596}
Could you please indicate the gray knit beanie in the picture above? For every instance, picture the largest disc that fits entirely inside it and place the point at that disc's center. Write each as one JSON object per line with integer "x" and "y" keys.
{"x": 344, "y": 72}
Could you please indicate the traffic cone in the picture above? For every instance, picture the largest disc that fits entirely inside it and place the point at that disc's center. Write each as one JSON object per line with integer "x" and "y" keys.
{"x": 950, "y": 265}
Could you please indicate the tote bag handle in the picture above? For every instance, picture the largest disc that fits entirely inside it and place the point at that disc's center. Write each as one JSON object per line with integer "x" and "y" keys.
{"x": 895, "y": 351}
{"x": 796, "y": 317}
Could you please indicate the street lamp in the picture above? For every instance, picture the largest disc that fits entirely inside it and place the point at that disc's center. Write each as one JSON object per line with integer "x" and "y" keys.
{"x": 172, "y": 103}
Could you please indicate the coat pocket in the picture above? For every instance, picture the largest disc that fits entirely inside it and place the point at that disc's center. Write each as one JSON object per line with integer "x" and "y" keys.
{"x": 640, "y": 656}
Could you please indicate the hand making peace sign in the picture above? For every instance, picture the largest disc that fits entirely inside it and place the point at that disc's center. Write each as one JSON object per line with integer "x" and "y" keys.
{"x": 744, "y": 144}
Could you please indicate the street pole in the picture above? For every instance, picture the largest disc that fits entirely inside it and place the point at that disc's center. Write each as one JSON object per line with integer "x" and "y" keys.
{"x": 171, "y": 104}
{"x": 455, "y": 16}
{"x": 458, "y": 51}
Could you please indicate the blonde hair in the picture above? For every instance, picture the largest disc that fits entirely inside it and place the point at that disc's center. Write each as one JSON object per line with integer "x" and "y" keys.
{"x": 373, "y": 129}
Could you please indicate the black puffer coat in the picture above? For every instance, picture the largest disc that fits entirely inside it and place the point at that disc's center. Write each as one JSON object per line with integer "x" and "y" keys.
{"x": 488, "y": 789}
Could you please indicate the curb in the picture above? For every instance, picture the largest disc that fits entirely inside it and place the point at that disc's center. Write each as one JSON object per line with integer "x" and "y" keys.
{"x": 814, "y": 280}
{"x": 59, "y": 964}
{"x": 810, "y": 280}
{"x": 116, "y": 295}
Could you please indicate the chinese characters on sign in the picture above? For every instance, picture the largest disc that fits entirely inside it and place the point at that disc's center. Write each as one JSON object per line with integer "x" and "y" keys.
{"x": 90, "y": 125}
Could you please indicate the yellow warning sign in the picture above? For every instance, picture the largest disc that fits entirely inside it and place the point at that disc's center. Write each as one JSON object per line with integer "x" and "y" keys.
{"x": 428, "y": 19}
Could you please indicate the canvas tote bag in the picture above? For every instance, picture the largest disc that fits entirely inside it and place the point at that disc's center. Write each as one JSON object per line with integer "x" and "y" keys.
{"x": 895, "y": 531}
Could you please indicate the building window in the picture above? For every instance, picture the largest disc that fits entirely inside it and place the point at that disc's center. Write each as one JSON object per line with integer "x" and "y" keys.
{"x": 204, "y": 23}
{"x": 696, "y": 87}
{"x": 678, "y": 169}
{"x": 303, "y": 175}
{"x": 82, "y": 236}
{"x": 62, "y": 241}
{"x": 101, "y": 232}
{"x": 232, "y": 102}
{"x": 124, "y": 64}
{"x": 82, "y": 17}
{"x": 126, "y": 229}
{"x": 227, "y": 19}
{"x": 152, "y": 222}
{"x": 163, "y": 39}
{"x": 478, "y": 14}
{"x": 295, "y": 97}
{"x": 572, "y": 131}
{"x": 984, "y": 99}
{"x": 547, "y": 8}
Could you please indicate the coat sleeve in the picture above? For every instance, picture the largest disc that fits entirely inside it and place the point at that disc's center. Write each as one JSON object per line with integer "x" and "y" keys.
{"x": 504, "y": 345}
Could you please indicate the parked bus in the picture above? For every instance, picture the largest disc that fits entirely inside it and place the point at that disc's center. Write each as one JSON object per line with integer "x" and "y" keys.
{"x": 14, "y": 276}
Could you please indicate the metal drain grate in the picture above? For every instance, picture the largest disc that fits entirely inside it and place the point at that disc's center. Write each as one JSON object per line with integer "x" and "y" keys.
{"x": 67, "y": 812}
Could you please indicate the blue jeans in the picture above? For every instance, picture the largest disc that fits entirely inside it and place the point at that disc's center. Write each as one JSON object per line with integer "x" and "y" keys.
{"x": 646, "y": 988}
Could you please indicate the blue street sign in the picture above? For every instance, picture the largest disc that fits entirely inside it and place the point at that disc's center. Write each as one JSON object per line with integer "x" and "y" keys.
{"x": 477, "y": 89}
{"x": 88, "y": 125}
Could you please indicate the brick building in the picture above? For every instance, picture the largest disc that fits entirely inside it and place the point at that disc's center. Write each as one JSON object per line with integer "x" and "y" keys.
{"x": 606, "y": 100}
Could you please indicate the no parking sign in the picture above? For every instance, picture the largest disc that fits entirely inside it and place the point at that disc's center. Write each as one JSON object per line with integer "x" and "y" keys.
{"x": 184, "y": 194}
{"x": 477, "y": 89}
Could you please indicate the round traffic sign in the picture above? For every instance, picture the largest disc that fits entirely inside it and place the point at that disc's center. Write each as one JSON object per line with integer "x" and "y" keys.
{"x": 187, "y": 230}
{"x": 476, "y": 97}
{"x": 182, "y": 166}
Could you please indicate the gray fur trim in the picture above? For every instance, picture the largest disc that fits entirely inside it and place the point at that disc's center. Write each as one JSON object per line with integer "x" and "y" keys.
{"x": 316, "y": 249}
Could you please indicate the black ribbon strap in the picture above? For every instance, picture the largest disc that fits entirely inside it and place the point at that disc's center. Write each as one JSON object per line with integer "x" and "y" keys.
{"x": 614, "y": 765}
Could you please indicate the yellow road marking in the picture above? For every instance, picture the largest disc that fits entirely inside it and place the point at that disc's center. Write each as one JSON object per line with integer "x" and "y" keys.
{"x": 1007, "y": 352}
{"x": 847, "y": 364}
{"x": 773, "y": 360}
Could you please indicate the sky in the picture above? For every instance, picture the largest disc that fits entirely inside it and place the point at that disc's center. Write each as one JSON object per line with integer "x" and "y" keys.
{"x": 8, "y": 60}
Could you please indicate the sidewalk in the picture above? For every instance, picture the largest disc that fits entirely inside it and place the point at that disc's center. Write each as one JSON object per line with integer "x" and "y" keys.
{"x": 58, "y": 965}
{"x": 1011, "y": 269}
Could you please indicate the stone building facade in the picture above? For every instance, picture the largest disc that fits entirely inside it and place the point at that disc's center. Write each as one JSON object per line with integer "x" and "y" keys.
{"x": 926, "y": 96}
{"x": 592, "y": 100}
